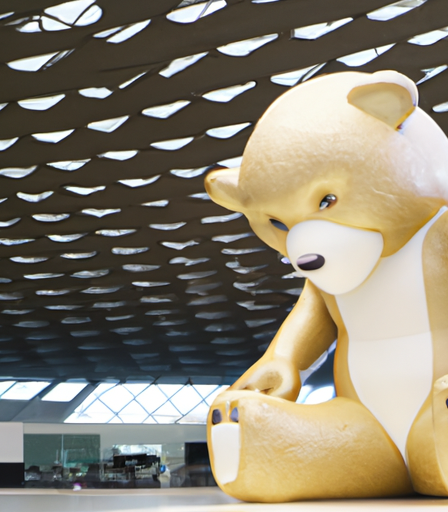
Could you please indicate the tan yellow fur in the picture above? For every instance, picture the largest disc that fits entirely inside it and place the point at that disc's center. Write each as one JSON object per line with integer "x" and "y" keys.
{"x": 362, "y": 138}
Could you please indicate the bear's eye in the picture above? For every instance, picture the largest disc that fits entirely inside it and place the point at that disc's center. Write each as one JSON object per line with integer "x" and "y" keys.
{"x": 327, "y": 201}
{"x": 279, "y": 225}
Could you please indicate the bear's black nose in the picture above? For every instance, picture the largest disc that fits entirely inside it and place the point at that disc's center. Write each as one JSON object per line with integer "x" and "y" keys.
{"x": 310, "y": 261}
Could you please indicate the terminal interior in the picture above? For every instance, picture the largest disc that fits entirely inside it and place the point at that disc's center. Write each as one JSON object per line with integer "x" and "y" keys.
{"x": 128, "y": 299}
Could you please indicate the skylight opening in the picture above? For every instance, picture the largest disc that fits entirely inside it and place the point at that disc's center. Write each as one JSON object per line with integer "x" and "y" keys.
{"x": 196, "y": 275}
{"x": 31, "y": 63}
{"x": 226, "y": 239}
{"x": 128, "y": 251}
{"x": 293, "y": 77}
{"x": 24, "y": 390}
{"x": 91, "y": 274}
{"x": 157, "y": 299}
{"x": 28, "y": 259}
{"x": 16, "y": 312}
{"x": 441, "y": 107}
{"x": 150, "y": 284}
{"x": 95, "y": 92}
{"x": 135, "y": 267}
{"x": 70, "y": 12}
{"x": 41, "y": 103}
{"x": 115, "y": 232}
{"x": 240, "y": 269}
{"x": 361, "y": 58}
{"x": 99, "y": 213}
{"x": 131, "y": 81}
{"x": 179, "y": 246}
{"x": 193, "y": 13}
{"x": 76, "y": 320}
{"x": 109, "y": 305}
{"x": 86, "y": 334}
{"x": 69, "y": 165}
{"x": 7, "y": 143}
{"x": 39, "y": 62}
{"x": 228, "y": 93}
{"x": 66, "y": 238}
{"x": 35, "y": 198}
{"x": 225, "y": 132}
{"x": 429, "y": 38}
{"x": 18, "y": 21}
{"x": 394, "y": 10}
{"x": 119, "y": 318}
{"x": 165, "y": 111}
{"x": 247, "y": 46}
{"x": 240, "y": 252}
{"x": 313, "y": 32}
{"x": 84, "y": 191}
{"x": 15, "y": 241}
{"x": 107, "y": 33}
{"x": 203, "y": 196}
{"x": 431, "y": 73}
{"x": 126, "y": 33}
{"x": 32, "y": 324}
{"x": 167, "y": 227}
{"x": 108, "y": 125}
{"x": 89, "y": 17}
{"x": 139, "y": 182}
{"x": 8, "y": 223}
{"x": 63, "y": 307}
{"x": 11, "y": 296}
{"x": 178, "y": 65}
{"x": 189, "y": 173}
{"x": 52, "y": 293}
{"x": 188, "y": 262}
{"x": 17, "y": 172}
{"x": 101, "y": 289}
{"x": 172, "y": 145}
{"x": 42, "y": 275}
{"x": 78, "y": 255}
{"x": 120, "y": 155}
{"x": 221, "y": 218}
{"x": 251, "y": 306}
{"x": 34, "y": 26}
{"x": 52, "y": 137}
{"x": 50, "y": 217}
{"x": 64, "y": 392}
{"x": 157, "y": 204}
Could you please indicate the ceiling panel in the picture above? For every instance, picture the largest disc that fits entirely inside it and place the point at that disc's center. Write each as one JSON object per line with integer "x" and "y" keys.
{"x": 115, "y": 264}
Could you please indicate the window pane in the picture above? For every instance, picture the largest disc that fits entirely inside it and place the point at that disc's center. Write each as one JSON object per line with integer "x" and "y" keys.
{"x": 64, "y": 392}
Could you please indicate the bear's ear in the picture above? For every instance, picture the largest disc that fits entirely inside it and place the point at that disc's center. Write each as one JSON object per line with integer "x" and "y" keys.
{"x": 387, "y": 95}
{"x": 222, "y": 187}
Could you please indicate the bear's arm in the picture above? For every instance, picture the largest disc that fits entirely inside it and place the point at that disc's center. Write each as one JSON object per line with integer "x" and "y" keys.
{"x": 307, "y": 331}
{"x": 435, "y": 273}
{"x": 305, "y": 334}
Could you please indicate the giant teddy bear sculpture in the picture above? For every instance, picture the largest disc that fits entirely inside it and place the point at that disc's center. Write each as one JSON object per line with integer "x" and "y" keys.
{"x": 346, "y": 176}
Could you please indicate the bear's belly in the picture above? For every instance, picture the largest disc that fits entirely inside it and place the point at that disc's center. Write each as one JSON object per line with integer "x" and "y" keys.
{"x": 390, "y": 354}
{"x": 392, "y": 378}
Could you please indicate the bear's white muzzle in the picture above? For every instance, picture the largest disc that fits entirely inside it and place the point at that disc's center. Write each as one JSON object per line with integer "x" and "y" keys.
{"x": 346, "y": 256}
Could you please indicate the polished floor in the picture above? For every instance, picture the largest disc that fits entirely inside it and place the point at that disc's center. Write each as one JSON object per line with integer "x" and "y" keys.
{"x": 185, "y": 500}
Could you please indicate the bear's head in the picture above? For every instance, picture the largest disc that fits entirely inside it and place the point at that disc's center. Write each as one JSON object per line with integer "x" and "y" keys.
{"x": 340, "y": 171}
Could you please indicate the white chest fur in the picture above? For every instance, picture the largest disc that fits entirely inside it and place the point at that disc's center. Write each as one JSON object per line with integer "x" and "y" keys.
{"x": 390, "y": 354}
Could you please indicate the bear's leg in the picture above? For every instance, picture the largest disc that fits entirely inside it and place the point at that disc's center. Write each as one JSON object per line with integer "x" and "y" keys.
{"x": 272, "y": 450}
{"x": 427, "y": 444}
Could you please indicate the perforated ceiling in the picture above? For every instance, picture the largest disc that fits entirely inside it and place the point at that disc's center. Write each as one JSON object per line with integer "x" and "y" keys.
{"x": 114, "y": 262}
